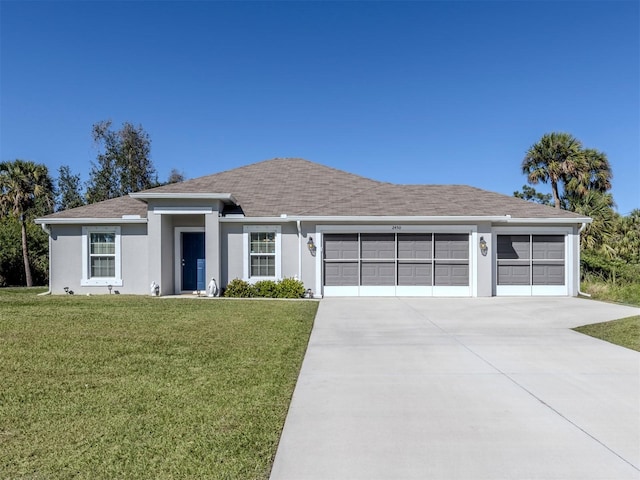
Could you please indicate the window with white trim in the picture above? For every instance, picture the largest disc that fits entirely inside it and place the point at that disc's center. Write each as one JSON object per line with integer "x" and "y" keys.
{"x": 262, "y": 252}
{"x": 101, "y": 263}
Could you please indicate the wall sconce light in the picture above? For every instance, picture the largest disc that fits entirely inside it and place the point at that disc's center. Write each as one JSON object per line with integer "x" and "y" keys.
{"x": 110, "y": 287}
{"x": 312, "y": 246}
{"x": 484, "y": 248}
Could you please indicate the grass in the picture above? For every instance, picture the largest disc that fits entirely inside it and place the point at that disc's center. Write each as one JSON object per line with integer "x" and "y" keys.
{"x": 628, "y": 293}
{"x": 624, "y": 332}
{"x": 135, "y": 387}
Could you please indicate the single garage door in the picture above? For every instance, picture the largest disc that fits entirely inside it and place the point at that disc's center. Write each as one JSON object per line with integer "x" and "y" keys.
{"x": 531, "y": 265}
{"x": 416, "y": 264}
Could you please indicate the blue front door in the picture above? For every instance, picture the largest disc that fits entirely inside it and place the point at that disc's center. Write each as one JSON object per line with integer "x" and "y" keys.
{"x": 192, "y": 251}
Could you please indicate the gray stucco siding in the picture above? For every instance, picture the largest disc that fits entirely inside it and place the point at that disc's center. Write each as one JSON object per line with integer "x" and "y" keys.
{"x": 67, "y": 262}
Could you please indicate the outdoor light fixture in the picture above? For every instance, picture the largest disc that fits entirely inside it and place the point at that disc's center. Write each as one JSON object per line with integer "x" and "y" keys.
{"x": 110, "y": 287}
{"x": 312, "y": 246}
{"x": 484, "y": 248}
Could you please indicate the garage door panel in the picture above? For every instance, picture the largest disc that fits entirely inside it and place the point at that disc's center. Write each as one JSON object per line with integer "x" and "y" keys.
{"x": 414, "y": 274}
{"x": 514, "y": 275}
{"x": 376, "y": 245}
{"x": 377, "y": 273}
{"x": 451, "y": 274}
{"x": 548, "y": 274}
{"x": 340, "y": 246}
{"x": 451, "y": 245}
{"x": 513, "y": 247}
{"x": 414, "y": 245}
{"x": 341, "y": 274}
{"x": 550, "y": 247}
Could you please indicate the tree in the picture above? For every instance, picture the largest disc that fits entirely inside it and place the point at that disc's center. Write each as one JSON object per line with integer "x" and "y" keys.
{"x": 529, "y": 193}
{"x": 124, "y": 165}
{"x": 595, "y": 176}
{"x": 68, "y": 194}
{"x": 175, "y": 176}
{"x": 554, "y": 159}
{"x": 26, "y": 190}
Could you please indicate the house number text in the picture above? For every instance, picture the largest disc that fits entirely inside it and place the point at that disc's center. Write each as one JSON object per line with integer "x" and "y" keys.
{"x": 396, "y": 227}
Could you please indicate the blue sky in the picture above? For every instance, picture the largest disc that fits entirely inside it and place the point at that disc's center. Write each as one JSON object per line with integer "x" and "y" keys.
{"x": 406, "y": 92}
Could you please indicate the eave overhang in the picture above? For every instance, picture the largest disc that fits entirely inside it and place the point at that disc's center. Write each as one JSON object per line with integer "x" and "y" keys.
{"x": 145, "y": 196}
{"x": 408, "y": 219}
{"x": 90, "y": 221}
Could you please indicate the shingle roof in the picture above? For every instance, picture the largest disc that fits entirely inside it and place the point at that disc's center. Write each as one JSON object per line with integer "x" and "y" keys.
{"x": 114, "y": 208}
{"x": 299, "y": 187}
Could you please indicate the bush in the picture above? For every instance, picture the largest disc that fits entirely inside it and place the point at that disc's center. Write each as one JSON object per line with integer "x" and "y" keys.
{"x": 596, "y": 266}
{"x": 239, "y": 288}
{"x": 290, "y": 288}
{"x": 266, "y": 288}
{"x": 285, "y": 288}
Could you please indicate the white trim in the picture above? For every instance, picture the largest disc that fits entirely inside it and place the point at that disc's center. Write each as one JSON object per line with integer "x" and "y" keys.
{"x": 181, "y": 210}
{"x": 246, "y": 230}
{"x": 404, "y": 219}
{"x": 414, "y": 291}
{"x": 89, "y": 221}
{"x": 87, "y": 280}
{"x": 350, "y": 291}
{"x": 177, "y": 254}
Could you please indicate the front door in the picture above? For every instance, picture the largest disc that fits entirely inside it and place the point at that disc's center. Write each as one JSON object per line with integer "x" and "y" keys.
{"x": 192, "y": 250}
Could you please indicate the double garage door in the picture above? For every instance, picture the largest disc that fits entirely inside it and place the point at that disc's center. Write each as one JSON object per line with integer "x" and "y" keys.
{"x": 439, "y": 264}
{"x": 412, "y": 264}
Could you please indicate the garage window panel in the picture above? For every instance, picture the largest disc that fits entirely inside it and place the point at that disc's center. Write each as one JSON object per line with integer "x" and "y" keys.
{"x": 375, "y": 245}
{"x": 451, "y": 264}
{"x": 414, "y": 274}
{"x": 531, "y": 259}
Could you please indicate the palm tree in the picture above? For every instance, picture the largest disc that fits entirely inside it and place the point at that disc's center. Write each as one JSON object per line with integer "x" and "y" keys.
{"x": 554, "y": 159}
{"x": 596, "y": 176}
{"x": 24, "y": 185}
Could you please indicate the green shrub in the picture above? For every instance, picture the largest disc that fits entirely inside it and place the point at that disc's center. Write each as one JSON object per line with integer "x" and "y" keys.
{"x": 266, "y": 288}
{"x": 290, "y": 288}
{"x": 596, "y": 266}
{"x": 239, "y": 288}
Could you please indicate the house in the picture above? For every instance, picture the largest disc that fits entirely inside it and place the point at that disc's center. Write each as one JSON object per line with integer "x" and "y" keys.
{"x": 340, "y": 233}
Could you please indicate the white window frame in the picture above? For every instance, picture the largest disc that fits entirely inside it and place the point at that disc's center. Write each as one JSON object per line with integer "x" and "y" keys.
{"x": 247, "y": 230}
{"x": 87, "y": 280}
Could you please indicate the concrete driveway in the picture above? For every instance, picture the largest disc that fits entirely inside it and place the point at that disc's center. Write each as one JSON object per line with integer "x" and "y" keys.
{"x": 483, "y": 388}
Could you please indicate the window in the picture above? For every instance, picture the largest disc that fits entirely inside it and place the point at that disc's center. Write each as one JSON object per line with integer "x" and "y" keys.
{"x": 262, "y": 252}
{"x": 101, "y": 256}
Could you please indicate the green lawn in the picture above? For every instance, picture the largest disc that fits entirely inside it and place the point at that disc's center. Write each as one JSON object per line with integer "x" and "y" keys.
{"x": 624, "y": 332}
{"x": 136, "y": 387}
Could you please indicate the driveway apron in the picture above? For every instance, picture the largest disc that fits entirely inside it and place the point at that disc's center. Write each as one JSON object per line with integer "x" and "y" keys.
{"x": 473, "y": 388}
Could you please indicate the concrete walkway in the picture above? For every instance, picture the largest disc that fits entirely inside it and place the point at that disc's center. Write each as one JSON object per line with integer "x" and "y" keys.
{"x": 484, "y": 388}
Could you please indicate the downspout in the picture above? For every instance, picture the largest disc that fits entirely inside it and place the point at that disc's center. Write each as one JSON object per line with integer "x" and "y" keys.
{"x": 584, "y": 224}
{"x": 47, "y": 230}
{"x": 299, "y": 250}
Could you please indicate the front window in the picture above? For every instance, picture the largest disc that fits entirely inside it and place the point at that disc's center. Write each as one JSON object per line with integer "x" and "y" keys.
{"x": 262, "y": 246}
{"x": 101, "y": 256}
{"x": 263, "y": 254}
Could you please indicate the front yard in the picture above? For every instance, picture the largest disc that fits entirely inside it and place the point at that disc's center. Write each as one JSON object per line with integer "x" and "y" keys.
{"x": 134, "y": 387}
